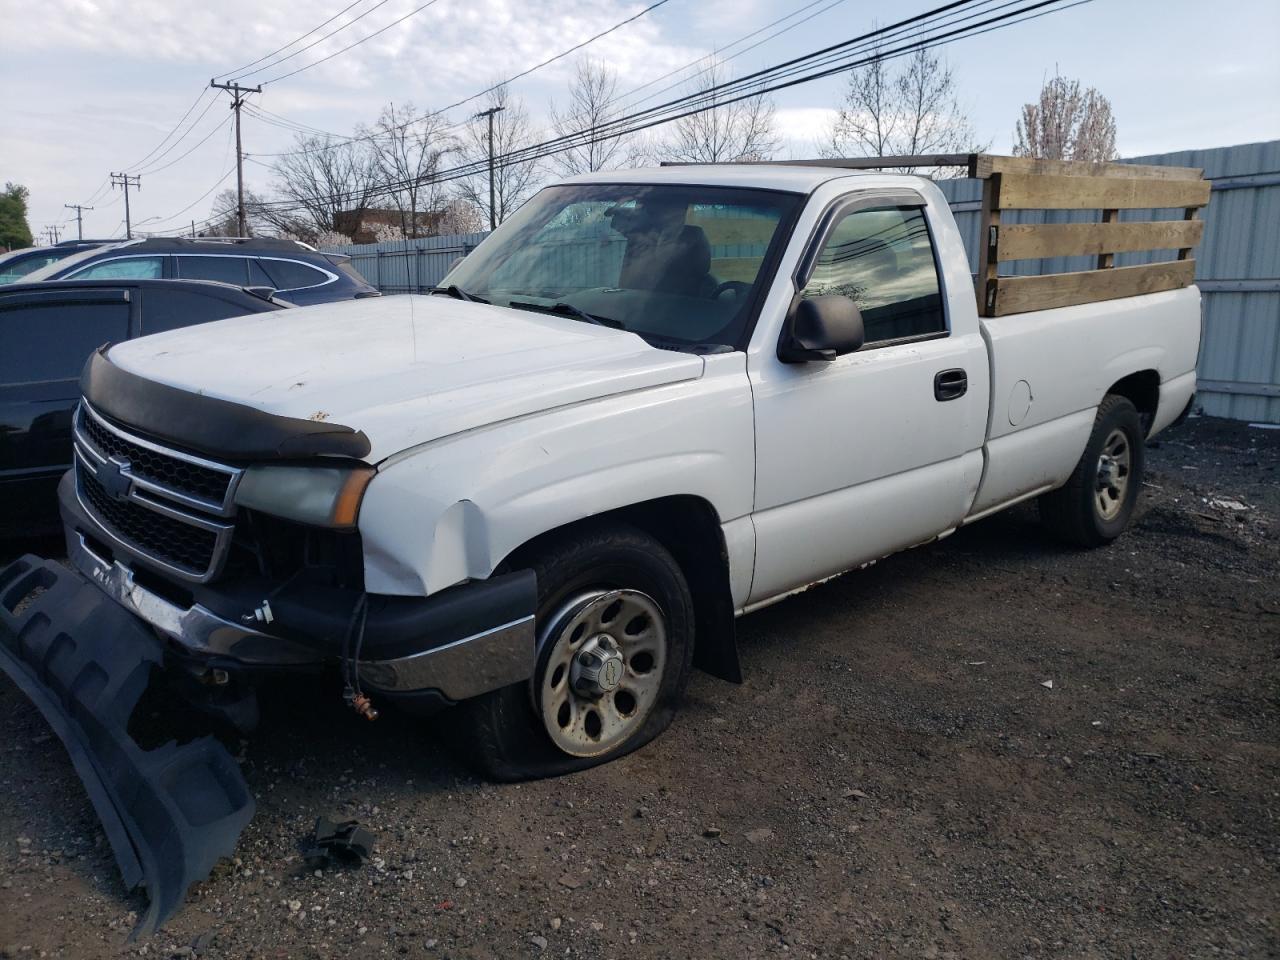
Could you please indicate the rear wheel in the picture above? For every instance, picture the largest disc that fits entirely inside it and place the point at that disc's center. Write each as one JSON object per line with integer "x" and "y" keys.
{"x": 1097, "y": 501}
{"x": 615, "y": 643}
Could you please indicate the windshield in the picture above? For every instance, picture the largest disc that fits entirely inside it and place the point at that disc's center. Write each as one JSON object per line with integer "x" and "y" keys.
{"x": 678, "y": 265}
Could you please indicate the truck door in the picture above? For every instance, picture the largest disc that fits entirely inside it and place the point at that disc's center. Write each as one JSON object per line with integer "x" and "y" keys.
{"x": 878, "y": 449}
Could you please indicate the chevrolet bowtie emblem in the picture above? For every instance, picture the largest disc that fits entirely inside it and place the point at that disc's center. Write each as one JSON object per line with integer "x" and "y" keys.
{"x": 115, "y": 479}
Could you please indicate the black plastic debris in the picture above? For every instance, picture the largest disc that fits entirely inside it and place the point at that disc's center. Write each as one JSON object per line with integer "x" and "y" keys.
{"x": 344, "y": 842}
{"x": 84, "y": 661}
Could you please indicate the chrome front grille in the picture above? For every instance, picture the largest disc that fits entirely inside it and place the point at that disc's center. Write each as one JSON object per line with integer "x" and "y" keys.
{"x": 170, "y": 508}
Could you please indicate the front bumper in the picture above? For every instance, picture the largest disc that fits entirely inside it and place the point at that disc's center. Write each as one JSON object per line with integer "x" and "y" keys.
{"x": 456, "y": 644}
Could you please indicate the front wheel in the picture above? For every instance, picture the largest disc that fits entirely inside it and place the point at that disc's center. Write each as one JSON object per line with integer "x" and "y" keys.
{"x": 1095, "y": 504}
{"x": 615, "y": 643}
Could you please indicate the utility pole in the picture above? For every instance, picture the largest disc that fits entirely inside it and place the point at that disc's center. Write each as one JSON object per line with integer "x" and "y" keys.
{"x": 493, "y": 213}
{"x": 79, "y": 217}
{"x": 126, "y": 180}
{"x": 51, "y": 234}
{"x": 237, "y": 101}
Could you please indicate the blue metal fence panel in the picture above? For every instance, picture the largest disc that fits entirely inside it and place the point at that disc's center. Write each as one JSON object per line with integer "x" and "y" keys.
{"x": 409, "y": 266}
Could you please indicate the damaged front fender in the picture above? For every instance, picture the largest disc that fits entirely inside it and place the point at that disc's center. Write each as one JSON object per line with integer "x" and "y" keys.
{"x": 169, "y": 813}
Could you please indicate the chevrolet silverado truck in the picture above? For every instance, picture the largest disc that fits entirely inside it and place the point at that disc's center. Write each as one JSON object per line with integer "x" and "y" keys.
{"x": 649, "y": 403}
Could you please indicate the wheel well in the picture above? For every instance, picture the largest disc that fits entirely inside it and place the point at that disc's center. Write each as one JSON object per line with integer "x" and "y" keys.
{"x": 1142, "y": 389}
{"x": 689, "y": 527}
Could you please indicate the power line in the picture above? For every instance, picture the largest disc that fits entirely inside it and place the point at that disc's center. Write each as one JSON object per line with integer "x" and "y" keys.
{"x": 487, "y": 90}
{"x": 217, "y": 183}
{"x": 173, "y": 130}
{"x": 290, "y": 43}
{"x": 912, "y": 34}
{"x": 203, "y": 140}
{"x": 780, "y": 76}
{"x": 316, "y": 63}
{"x": 174, "y": 145}
{"x": 318, "y": 40}
{"x": 718, "y": 53}
{"x": 561, "y": 55}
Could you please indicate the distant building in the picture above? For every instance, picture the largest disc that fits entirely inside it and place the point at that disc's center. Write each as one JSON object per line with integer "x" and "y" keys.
{"x": 362, "y": 224}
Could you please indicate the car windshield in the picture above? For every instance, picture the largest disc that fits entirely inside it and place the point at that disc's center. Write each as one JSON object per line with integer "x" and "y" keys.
{"x": 679, "y": 265}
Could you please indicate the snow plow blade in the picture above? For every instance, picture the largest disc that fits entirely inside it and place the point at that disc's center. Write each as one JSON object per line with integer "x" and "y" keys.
{"x": 169, "y": 813}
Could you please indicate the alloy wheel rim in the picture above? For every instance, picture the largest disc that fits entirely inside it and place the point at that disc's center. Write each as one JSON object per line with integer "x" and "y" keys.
{"x": 1114, "y": 468}
{"x": 603, "y": 669}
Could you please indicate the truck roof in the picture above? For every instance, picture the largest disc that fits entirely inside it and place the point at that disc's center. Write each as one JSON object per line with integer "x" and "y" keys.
{"x": 760, "y": 176}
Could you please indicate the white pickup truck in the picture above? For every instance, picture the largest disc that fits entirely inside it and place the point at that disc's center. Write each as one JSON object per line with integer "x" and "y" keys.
{"x": 649, "y": 403}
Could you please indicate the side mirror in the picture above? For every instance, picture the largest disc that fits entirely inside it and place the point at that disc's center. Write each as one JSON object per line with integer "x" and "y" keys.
{"x": 821, "y": 328}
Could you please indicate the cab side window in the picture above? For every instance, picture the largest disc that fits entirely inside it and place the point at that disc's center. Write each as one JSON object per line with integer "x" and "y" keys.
{"x": 882, "y": 259}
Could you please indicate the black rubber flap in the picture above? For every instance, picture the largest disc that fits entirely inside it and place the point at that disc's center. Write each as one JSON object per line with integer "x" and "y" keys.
{"x": 84, "y": 661}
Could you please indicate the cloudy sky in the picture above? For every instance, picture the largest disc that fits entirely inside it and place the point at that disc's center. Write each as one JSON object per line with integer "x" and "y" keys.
{"x": 93, "y": 86}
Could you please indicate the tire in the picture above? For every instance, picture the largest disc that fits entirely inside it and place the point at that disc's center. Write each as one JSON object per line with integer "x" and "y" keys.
{"x": 520, "y": 732}
{"x": 1083, "y": 511}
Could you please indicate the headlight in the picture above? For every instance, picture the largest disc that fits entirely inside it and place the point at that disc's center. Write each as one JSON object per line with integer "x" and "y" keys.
{"x": 320, "y": 496}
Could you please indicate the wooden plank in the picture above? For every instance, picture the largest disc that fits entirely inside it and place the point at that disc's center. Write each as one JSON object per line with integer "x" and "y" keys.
{"x": 1024, "y": 294}
{"x": 1020, "y": 191}
{"x": 986, "y": 164}
{"x": 1031, "y": 241}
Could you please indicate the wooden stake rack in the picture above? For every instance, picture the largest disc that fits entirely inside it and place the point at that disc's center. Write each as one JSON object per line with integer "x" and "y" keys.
{"x": 1023, "y": 183}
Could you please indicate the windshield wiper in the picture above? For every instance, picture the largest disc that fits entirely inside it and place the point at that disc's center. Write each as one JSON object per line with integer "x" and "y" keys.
{"x": 453, "y": 290}
{"x": 567, "y": 310}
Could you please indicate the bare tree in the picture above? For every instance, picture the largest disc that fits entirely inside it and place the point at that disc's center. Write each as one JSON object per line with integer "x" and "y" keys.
{"x": 224, "y": 222}
{"x": 592, "y": 105}
{"x": 514, "y": 179}
{"x": 321, "y": 178}
{"x": 1067, "y": 124}
{"x": 407, "y": 150}
{"x": 912, "y": 110}
{"x": 724, "y": 133}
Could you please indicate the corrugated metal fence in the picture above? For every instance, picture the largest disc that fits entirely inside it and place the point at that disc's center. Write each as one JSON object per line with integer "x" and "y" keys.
{"x": 409, "y": 266}
{"x": 1237, "y": 268}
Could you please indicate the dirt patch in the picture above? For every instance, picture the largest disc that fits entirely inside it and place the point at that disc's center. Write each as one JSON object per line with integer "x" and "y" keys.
{"x": 893, "y": 779}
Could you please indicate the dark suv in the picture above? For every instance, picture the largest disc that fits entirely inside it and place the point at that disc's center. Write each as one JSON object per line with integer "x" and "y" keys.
{"x": 300, "y": 273}
{"x": 48, "y": 331}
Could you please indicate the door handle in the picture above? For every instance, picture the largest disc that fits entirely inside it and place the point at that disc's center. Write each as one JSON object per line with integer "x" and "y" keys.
{"x": 950, "y": 384}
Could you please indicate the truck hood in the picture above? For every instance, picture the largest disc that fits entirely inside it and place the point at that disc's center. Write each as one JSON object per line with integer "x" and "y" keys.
{"x": 405, "y": 369}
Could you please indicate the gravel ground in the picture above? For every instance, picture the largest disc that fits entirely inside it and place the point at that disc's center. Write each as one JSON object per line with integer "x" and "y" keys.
{"x": 987, "y": 747}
